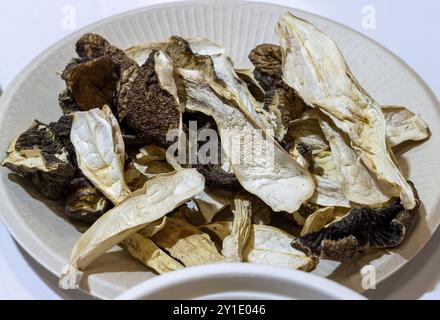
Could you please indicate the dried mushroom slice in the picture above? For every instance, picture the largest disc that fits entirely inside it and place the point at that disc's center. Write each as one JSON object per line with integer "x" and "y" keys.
{"x": 211, "y": 59}
{"x": 357, "y": 182}
{"x": 212, "y": 201}
{"x": 328, "y": 84}
{"x": 318, "y": 220}
{"x": 140, "y": 53}
{"x": 254, "y": 87}
{"x": 84, "y": 201}
{"x": 234, "y": 243}
{"x": 91, "y": 46}
{"x": 62, "y": 129}
{"x": 40, "y": 154}
{"x": 267, "y": 60}
{"x": 67, "y": 102}
{"x": 100, "y": 152}
{"x": 134, "y": 178}
{"x": 262, "y": 167}
{"x": 92, "y": 82}
{"x": 286, "y": 106}
{"x": 267, "y": 245}
{"x": 147, "y": 252}
{"x": 137, "y": 211}
{"x": 153, "y": 108}
{"x": 359, "y": 230}
{"x": 403, "y": 125}
{"x": 187, "y": 243}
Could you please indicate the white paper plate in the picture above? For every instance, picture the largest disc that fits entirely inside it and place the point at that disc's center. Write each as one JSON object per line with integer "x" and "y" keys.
{"x": 233, "y": 281}
{"x": 39, "y": 225}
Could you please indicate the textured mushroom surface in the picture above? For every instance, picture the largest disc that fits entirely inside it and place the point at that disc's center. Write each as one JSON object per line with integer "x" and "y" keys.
{"x": 360, "y": 229}
{"x": 39, "y": 154}
{"x": 92, "y": 82}
{"x": 152, "y": 109}
{"x": 84, "y": 201}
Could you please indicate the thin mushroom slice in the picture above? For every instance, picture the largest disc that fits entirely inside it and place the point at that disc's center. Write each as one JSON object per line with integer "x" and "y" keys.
{"x": 100, "y": 151}
{"x": 262, "y": 167}
{"x": 267, "y": 245}
{"x": 358, "y": 184}
{"x": 234, "y": 243}
{"x": 314, "y": 66}
{"x": 187, "y": 243}
{"x": 318, "y": 220}
{"x": 141, "y": 208}
{"x": 403, "y": 125}
{"x": 147, "y": 252}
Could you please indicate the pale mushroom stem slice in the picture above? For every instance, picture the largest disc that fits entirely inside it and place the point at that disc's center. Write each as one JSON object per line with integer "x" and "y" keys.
{"x": 318, "y": 220}
{"x": 234, "y": 243}
{"x": 100, "y": 153}
{"x": 187, "y": 243}
{"x": 403, "y": 125}
{"x": 267, "y": 245}
{"x": 358, "y": 184}
{"x": 141, "y": 208}
{"x": 147, "y": 252}
{"x": 261, "y": 167}
{"x": 314, "y": 66}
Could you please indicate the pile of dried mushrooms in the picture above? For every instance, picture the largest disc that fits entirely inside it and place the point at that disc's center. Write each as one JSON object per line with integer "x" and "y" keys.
{"x": 321, "y": 183}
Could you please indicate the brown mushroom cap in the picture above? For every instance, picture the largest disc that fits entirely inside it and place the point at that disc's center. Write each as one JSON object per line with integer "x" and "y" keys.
{"x": 91, "y": 46}
{"x": 92, "y": 83}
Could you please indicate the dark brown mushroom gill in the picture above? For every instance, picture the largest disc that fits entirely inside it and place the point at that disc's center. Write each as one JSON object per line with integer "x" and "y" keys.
{"x": 360, "y": 229}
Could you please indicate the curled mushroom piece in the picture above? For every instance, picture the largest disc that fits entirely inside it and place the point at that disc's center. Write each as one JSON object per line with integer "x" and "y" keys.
{"x": 92, "y": 46}
{"x": 84, "y": 201}
{"x": 234, "y": 243}
{"x": 403, "y": 125}
{"x": 359, "y": 230}
{"x": 267, "y": 60}
{"x": 40, "y": 154}
{"x": 91, "y": 82}
{"x": 286, "y": 106}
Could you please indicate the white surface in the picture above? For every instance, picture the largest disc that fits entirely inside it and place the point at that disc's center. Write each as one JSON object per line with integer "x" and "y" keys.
{"x": 229, "y": 281}
{"x": 20, "y": 277}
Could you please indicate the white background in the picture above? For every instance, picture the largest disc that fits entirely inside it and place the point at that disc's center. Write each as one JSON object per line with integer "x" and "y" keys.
{"x": 408, "y": 28}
